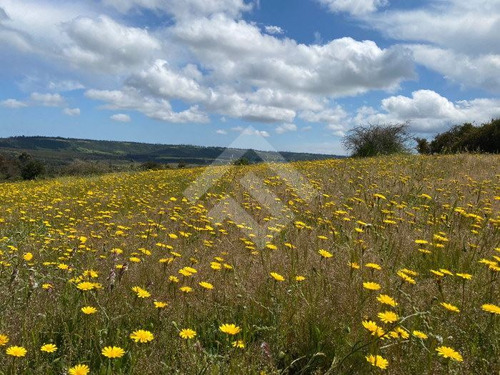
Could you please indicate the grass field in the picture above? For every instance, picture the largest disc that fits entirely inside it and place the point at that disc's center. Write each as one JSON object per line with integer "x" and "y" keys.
{"x": 384, "y": 265}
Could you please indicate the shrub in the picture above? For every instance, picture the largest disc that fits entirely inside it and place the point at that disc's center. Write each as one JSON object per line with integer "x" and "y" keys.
{"x": 9, "y": 167}
{"x": 241, "y": 161}
{"x": 372, "y": 140}
{"x": 32, "y": 169}
{"x": 150, "y": 165}
{"x": 423, "y": 146}
{"x": 467, "y": 137}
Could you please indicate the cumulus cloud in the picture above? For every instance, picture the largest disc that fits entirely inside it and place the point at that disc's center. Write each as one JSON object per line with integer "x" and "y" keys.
{"x": 473, "y": 71}
{"x": 72, "y": 111}
{"x": 284, "y": 128}
{"x": 104, "y": 45}
{"x": 429, "y": 112}
{"x": 337, "y": 120}
{"x": 237, "y": 51}
{"x": 337, "y": 130}
{"x": 468, "y": 27}
{"x": 13, "y": 103}
{"x": 221, "y": 131}
{"x": 456, "y": 38}
{"x": 34, "y": 26}
{"x": 162, "y": 81}
{"x": 159, "y": 109}
{"x": 47, "y": 100}
{"x": 354, "y": 7}
{"x": 211, "y": 61}
{"x": 120, "y": 117}
{"x": 207, "y": 59}
{"x": 334, "y": 115}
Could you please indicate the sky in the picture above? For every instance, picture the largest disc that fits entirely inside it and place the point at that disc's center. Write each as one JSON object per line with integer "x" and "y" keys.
{"x": 299, "y": 73}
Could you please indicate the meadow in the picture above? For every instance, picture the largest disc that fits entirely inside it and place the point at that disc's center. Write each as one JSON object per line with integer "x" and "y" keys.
{"x": 383, "y": 265}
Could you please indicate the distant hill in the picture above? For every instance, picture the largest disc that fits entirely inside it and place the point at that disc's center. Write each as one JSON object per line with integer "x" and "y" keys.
{"x": 57, "y": 151}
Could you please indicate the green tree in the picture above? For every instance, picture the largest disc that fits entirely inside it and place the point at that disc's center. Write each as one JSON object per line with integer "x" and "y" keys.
{"x": 467, "y": 137}
{"x": 423, "y": 146}
{"x": 32, "y": 169}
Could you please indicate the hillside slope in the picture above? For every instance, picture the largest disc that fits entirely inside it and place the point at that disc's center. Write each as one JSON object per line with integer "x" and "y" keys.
{"x": 58, "y": 151}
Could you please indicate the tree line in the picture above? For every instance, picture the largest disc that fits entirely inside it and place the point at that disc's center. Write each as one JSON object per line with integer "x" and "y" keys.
{"x": 385, "y": 139}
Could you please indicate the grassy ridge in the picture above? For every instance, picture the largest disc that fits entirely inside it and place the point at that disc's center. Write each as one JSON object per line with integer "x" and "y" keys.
{"x": 394, "y": 257}
{"x": 56, "y": 151}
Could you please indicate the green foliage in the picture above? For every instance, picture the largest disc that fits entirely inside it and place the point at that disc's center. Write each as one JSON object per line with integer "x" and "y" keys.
{"x": 467, "y": 137}
{"x": 423, "y": 146}
{"x": 9, "y": 167}
{"x": 373, "y": 140}
{"x": 32, "y": 169}
{"x": 242, "y": 161}
{"x": 150, "y": 165}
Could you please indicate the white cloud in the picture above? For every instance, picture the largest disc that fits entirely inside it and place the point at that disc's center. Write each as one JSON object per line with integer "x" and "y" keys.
{"x": 226, "y": 101}
{"x": 337, "y": 130}
{"x": 207, "y": 58}
{"x": 354, "y": 7}
{"x": 467, "y": 27}
{"x": 120, "y": 117}
{"x": 184, "y": 8}
{"x": 284, "y": 128}
{"x": 210, "y": 61}
{"x": 270, "y": 29}
{"x": 160, "y": 80}
{"x": 429, "y": 112}
{"x": 13, "y": 103}
{"x": 333, "y": 115}
{"x": 456, "y": 38}
{"x": 104, "y": 45}
{"x": 47, "y": 100}
{"x": 72, "y": 111}
{"x": 237, "y": 53}
{"x": 221, "y": 132}
{"x": 285, "y": 99}
{"x": 34, "y": 26}
{"x": 159, "y": 109}
{"x": 476, "y": 71}
{"x": 64, "y": 85}
{"x": 251, "y": 131}
{"x": 337, "y": 120}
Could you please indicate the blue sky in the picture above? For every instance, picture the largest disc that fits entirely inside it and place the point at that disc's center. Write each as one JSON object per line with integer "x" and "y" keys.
{"x": 301, "y": 73}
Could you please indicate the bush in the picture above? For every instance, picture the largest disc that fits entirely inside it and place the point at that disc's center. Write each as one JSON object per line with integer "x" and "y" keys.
{"x": 241, "y": 161}
{"x": 9, "y": 167}
{"x": 423, "y": 146}
{"x": 150, "y": 165}
{"x": 372, "y": 140}
{"x": 32, "y": 169}
{"x": 467, "y": 137}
